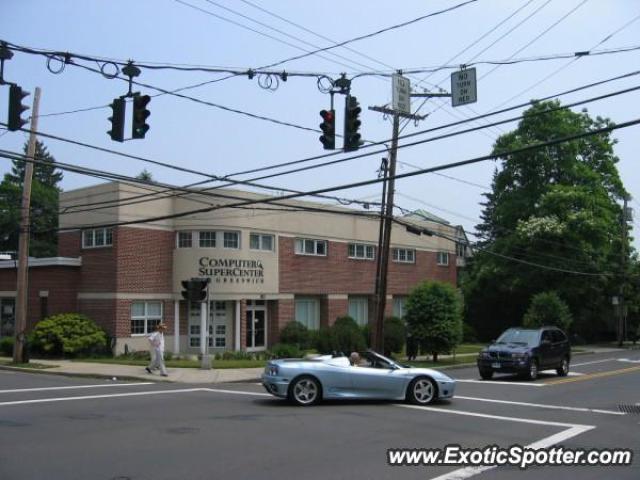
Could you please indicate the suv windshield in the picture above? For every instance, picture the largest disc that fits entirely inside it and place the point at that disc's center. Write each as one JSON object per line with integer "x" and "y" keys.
{"x": 520, "y": 337}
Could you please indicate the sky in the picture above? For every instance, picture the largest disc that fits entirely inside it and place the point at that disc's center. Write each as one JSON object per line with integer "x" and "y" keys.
{"x": 240, "y": 35}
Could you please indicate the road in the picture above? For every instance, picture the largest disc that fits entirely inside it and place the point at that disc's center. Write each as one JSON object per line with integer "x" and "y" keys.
{"x": 70, "y": 428}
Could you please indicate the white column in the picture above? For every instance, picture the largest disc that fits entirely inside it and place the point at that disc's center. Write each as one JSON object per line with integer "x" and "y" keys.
{"x": 176, "y": 326}
{"x": 237, "y": 329}
{"x": 203, "y": 328}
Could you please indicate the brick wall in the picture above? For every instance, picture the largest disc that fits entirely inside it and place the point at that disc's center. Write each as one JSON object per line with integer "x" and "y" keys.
{"x": 61, "y": 283}
{"x": 69, "y": 244}
{"x": 338, "y": 274}
{"x": 144, "y": 260}
{"x": 103, "y": 312}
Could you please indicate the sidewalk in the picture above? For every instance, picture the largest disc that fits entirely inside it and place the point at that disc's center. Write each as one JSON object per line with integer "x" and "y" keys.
{"x": 134, "y": 372}
{"x": 193, "y": 375}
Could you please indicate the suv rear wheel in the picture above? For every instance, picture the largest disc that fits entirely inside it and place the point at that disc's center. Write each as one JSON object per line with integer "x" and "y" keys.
{"x": 563, "y": 369}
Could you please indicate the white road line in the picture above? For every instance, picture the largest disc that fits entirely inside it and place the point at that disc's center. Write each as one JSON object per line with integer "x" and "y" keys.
{"x": 463, "y": 473}
{"x": 541, "y": 405}
{"x": 43, "y": 389}
{"x": 237, "y": 392}
{"x": 593, "y": 362}
{"x": 495, "y": 382}
{"x": 627, "y": 360}
{"x": 94, "y": 397}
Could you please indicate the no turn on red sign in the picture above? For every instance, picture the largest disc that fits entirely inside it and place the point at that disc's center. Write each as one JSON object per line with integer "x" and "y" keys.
{"x": 463, "y": 87}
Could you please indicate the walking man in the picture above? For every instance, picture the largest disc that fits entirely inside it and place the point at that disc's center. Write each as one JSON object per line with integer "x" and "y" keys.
{"x": 156, "y": 340}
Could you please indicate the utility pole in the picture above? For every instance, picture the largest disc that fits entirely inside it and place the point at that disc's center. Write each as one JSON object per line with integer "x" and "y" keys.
{"x": 623, "y": 269}
{"x": 381, "y": 280}
{"x": 384, "y": 167}
{"x": 23, "y": 239}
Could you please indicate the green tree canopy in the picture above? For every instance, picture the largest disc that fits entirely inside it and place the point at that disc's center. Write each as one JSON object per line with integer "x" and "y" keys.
{"x": 434, "y": 317}
{"x": 547, "y": 308}
{"x": 551, "y": 211}
{"x": 44, "y": 205}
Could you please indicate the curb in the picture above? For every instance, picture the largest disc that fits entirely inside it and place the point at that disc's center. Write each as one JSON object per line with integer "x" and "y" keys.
{"x": 47, "y": 371}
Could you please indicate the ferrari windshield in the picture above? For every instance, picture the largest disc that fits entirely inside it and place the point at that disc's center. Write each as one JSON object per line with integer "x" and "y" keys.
{"x": 375, "y": 360}
{"x": 519, "y": 337}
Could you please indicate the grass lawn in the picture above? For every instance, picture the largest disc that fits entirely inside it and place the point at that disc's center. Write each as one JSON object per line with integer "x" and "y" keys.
{"x": 248, "y": 363}
{"x": 470, "y": 348}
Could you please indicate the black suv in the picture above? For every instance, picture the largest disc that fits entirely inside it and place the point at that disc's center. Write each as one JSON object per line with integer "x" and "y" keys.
{"x": 526, "y": 352}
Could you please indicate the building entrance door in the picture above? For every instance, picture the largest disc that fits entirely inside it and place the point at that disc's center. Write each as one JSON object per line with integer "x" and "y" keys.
{"x": 7, "y": 317}
{"x": 256, "y": 323}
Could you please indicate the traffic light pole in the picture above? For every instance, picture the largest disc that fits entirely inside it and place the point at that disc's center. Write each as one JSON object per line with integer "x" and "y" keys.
{"x": 23, "y": 240}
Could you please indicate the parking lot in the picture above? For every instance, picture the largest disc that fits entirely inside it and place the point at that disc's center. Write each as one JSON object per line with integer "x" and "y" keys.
{"x": 71, "y": 428}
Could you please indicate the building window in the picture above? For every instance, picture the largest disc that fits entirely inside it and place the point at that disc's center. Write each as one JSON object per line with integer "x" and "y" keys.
{"x": 231, "y": 240}
{"x": 359, "y": 310}
{"x": 308, "y": 246}
{"x": 307, "y": 311}
{"x": 145, "y": 316}
{"x": 97, "y": 237}
{"x": 460, "y": 249}
{"x": 399, "y": 306}
{"x": 207, "y": 239}
{"x": 443, "y": 258}
{"x": 362, "y": 251}
{"x": 185, "y": 239}
{"x": 259, "y": 241}
{"x": 404, "y": 255}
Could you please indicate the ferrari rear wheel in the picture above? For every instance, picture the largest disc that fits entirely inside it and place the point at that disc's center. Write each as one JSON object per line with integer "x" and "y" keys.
{"x": 422, "y": 391}
{"x": 304, "y": 391}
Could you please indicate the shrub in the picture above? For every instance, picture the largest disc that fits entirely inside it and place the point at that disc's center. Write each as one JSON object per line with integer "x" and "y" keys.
{"x": 469, "y": 334}
{"x": 323, "y": 340}
{"x": 346, "y": 336}
{"x": 68, "y": 334}
{"x": 366, "y": 334}
{"x": 295, "y": 333}
{"x": 547, "y": 308}
{"x": 285, "y": 350}
{"x": 6, "y": 346}
{"x": 395, "y": 334}
{"x": 434, "y": 317}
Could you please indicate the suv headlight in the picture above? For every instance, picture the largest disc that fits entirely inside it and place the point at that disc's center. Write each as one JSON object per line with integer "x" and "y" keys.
{"x": 484, "y": 355}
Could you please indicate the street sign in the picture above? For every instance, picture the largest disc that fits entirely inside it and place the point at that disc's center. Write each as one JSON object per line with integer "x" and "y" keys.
{"x": 401, "y": 89}
{"x": 463, "y": 87}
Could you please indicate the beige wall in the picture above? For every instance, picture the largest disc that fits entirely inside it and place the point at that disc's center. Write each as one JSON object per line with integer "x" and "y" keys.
{"x": 295, "y": 224}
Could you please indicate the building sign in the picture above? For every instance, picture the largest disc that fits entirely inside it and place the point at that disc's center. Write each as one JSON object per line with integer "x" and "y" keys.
{"x": 231, "y": 270}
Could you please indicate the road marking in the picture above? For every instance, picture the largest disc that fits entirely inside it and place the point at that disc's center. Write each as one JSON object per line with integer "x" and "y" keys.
{"x": 541, "y": 405}
{"x": 571, "y": 430}
{"x": 594, "y": 362}
{"x": 496, "y": 382}
{"x": 94, "y": 397}
{"x": 628, "y": 360}
{"x": 237, "y": 392}
{"x": 589, "y": 376}
{"x": 19, "y": 390}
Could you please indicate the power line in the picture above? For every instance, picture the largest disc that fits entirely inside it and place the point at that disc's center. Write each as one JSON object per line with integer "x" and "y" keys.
{"x": 356, "y": 156}
{"x": 495, "y": 155}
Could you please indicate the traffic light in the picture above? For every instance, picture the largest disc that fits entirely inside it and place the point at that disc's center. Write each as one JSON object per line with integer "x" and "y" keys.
{"x": 16, "y": 94}
{"x": 352, "y": 124}
{"x": 195, "y": 290}
{"x": 139, "y": 126}
{"x": 117, "y": 120}
{"x": 328, "y": 127}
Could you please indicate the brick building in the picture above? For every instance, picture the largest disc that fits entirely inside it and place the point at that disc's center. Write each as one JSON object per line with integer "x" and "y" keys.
{"x": 268, "y": 265}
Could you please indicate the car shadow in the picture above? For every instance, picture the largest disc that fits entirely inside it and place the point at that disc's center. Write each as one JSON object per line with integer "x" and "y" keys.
{"x": 281, "y": 403}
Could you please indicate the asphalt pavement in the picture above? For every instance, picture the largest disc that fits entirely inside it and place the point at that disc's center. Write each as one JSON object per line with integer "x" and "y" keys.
{"x": 59, "y": 427}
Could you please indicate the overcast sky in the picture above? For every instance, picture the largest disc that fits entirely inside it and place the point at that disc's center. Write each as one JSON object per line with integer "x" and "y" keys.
{"x": 225, "y": 33}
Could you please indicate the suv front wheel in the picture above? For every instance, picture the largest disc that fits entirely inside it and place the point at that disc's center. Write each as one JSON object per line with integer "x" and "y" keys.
{"x": 532, "y": 373}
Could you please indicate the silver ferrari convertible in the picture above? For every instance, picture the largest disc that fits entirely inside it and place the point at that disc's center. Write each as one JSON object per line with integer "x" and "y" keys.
{"x": 310, "y": 380}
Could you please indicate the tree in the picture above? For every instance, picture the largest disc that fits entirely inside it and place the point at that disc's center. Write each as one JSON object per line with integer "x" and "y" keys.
{"x": 145, "y": 175}
{"x": 551, "y": 222}
{"x": 44, "y": 205}
{"x": 434, "y": 317}
{"x": 547, "y": 308}
{"x": 395, "y": 335}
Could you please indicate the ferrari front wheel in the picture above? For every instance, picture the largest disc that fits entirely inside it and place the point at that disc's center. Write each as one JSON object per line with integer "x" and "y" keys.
{"x": 422, "y": 391}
